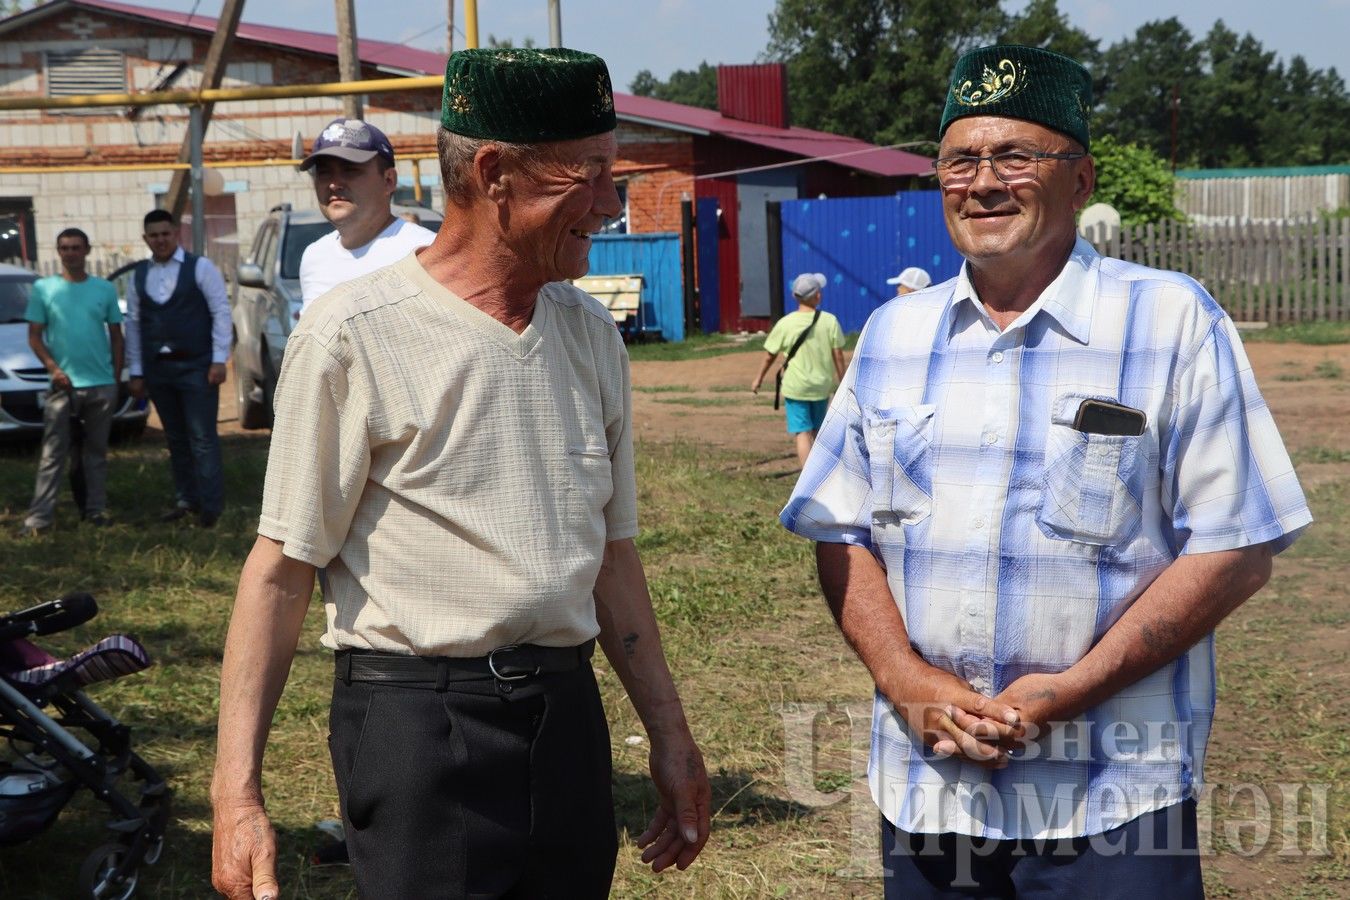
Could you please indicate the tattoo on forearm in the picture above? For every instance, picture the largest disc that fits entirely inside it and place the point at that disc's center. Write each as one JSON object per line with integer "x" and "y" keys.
{"x": 630, "y": 643}
{"x": 1044, "y": 694}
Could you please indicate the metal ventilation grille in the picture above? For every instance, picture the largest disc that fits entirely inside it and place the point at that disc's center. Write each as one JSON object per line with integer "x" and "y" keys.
{"x": 88, "y": 71}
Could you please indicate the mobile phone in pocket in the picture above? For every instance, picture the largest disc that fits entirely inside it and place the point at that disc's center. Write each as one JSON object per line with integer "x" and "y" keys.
{"x": 1104, "y": 417}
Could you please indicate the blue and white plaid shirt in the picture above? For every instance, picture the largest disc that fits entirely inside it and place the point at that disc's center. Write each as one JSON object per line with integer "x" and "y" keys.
{"x": 1012, "y": 541}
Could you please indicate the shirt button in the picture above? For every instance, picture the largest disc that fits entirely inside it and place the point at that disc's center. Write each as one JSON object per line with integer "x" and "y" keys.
{"x": 996, "y": 356}
{"x": 991, "y": 437}
{"x": 978, "y": 523}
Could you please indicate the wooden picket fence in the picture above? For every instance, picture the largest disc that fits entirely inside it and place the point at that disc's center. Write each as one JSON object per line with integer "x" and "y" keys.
{"x": 1259, "y": 271}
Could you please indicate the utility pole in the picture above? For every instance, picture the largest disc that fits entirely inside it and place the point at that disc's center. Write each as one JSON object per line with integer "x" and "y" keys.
{"x": 471, "y": 24}
{"x": 1176, "y": 106}
{"x": 449, "y": 27}
{"x": 555, "y": 23}
{"x": 349, "y": 61}
{"x": 212, "y": 71}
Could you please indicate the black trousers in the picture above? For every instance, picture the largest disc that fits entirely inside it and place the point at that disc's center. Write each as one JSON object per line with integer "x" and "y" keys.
{"x": 482, "y": 790}
{"x": 1154, "y": 855}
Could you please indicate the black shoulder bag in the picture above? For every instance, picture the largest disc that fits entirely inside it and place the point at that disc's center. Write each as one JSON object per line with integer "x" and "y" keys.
{"x": 797, "y": 345}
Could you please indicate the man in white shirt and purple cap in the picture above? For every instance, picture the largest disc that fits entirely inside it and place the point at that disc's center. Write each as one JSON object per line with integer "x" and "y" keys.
{"x": 354, "y": 180}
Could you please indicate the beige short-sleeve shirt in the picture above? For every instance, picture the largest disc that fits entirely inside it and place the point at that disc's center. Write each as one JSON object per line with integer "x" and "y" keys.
{"x": 458, "y": 480}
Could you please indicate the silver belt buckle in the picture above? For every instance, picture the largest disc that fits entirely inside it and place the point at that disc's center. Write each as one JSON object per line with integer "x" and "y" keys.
{"x": 492, "y": 665}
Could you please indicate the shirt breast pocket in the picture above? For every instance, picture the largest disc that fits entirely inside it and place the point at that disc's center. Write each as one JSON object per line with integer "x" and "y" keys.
{"x": 593, "y": 478}
{"x": 1085, "y": 494}
{"x": 899, "y": 447}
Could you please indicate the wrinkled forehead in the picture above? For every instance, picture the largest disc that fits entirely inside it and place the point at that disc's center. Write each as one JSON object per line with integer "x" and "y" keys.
{"x": 977, "y": 135}
{"x": 598, "y": 149}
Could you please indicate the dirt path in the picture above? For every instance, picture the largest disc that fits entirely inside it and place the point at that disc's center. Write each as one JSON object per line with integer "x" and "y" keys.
{"x": 708, "y": 401}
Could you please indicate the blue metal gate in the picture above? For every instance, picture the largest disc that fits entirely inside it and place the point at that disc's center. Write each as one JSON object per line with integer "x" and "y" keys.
{"x": 656, "y": 257}
{"x": 859, "y": 242}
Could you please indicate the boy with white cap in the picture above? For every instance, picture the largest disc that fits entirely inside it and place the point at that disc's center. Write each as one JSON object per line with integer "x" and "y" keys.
{"x": 813, "y": 344}
{"x": 910, "y": 280}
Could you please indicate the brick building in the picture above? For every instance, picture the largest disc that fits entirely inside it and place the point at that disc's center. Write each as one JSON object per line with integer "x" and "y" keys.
{"x": 71, "y": 47}
{"x": 740, "y": 155}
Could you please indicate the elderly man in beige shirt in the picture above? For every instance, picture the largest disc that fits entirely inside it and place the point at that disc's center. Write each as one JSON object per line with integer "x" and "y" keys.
{"x": 453, "y": 441}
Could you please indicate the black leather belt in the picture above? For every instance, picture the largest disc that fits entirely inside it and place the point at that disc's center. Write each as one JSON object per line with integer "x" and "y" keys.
{"x": 514, "y": 662}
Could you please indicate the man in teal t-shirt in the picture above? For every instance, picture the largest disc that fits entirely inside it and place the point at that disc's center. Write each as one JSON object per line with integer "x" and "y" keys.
{"x": 813, "y": 371}
{"x": 75, "y": 329}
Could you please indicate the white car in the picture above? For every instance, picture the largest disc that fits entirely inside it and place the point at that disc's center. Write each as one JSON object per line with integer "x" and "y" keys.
{"x": 23, "y": 379}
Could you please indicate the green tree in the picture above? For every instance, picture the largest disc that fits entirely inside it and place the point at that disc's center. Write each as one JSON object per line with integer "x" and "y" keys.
{"x": 1041, "y": 24}
{"x": 1143, "y": 79}
{"x": 496, "y": 43}
{"x": 693, "y": 87}
{"x": 1135, "y": 180}
{"x": 875, "y": 69}
{"x": 1239, "y": 93}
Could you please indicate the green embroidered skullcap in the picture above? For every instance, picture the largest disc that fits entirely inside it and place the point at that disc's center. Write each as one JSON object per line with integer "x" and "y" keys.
{"x": 527, "y": 96}
{"x": 1021, "y": 83}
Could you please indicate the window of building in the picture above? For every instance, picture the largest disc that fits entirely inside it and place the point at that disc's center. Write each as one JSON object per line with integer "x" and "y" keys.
{"x": 619, "y": 224}
{"x": 91, "y": 70}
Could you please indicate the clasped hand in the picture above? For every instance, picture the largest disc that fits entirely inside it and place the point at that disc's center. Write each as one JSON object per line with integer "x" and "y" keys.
{"x": 956, "y": 720}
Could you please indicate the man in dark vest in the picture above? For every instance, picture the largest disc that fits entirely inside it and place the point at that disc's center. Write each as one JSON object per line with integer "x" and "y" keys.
{"x": 178, "y": 341}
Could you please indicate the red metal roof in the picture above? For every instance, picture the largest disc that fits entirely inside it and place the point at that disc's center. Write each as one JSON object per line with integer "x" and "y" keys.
{"x": 849, "y": 152}
{"x": 376, "y": 53}
{"x": 844, "y": 151}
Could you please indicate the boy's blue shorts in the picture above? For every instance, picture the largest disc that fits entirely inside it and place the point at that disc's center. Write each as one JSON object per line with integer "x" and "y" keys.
{"x": 804, "y": 415}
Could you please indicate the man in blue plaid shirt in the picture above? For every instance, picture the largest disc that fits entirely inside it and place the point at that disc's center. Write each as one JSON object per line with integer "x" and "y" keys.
{"x": 1040, "y": 487}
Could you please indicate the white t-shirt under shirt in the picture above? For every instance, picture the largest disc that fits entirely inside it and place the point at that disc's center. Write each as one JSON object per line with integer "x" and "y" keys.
{"x": 459, "y": 480}
{"x": 327, "y": 263}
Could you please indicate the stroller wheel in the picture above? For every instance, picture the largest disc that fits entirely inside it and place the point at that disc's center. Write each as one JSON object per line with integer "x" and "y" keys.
{"x": 98, "y": 874}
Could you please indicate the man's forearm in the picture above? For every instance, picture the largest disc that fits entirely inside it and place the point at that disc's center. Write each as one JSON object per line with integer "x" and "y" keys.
{"x": 269, "y": 612}
{"x": 39, "y": 348}
{"x": 117, "y": 347}
{"x": 855, "y": 589}
{"x": 939, "y": 706}
{"x": 1185, "y": 603}
{"x": 631, "y": 640}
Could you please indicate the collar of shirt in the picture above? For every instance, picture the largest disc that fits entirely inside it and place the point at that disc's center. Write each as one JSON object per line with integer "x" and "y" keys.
{"x": 1069, "y": 299}
{"x": 179, "y": 254}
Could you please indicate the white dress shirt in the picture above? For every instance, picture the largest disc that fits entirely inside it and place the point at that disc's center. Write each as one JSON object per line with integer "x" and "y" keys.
{"x": 160, "y": 282}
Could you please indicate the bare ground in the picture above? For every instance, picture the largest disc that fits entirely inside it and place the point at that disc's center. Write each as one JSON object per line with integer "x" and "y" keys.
{"x": 707, "y": 402}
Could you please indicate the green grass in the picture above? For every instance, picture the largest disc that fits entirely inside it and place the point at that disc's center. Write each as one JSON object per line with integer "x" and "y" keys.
{"x": 1321, "y": 455}
{"x": 1302, "y": 333}
{"x": 748, "y": 639}
{"x": 1328, "y": 368}
{"x": 698, "y": 346}
{"x": 665, "y": 389}
{"x": 706, "y": 401}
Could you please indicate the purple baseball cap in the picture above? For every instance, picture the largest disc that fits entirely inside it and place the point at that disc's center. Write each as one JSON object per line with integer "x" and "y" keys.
{"x": 352, "y": 140}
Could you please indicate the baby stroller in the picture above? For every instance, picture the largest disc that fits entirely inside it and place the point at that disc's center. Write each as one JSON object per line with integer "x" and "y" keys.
{"x": 58, "y": 741}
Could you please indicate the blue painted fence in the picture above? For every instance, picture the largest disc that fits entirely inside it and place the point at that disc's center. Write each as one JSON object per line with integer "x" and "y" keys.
{"x": 859, "y": 242}
{"x": 657, "y": 258}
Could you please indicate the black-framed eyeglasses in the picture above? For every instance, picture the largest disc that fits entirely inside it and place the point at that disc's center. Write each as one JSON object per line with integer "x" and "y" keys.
{"x": 1013, "y": 167}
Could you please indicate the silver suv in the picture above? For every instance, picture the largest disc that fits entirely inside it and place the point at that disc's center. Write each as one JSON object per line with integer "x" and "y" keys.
{"x": 266, "y": 302}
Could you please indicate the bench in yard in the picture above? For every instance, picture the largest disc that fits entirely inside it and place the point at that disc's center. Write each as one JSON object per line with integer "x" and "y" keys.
{"x": 621, "y": 295}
